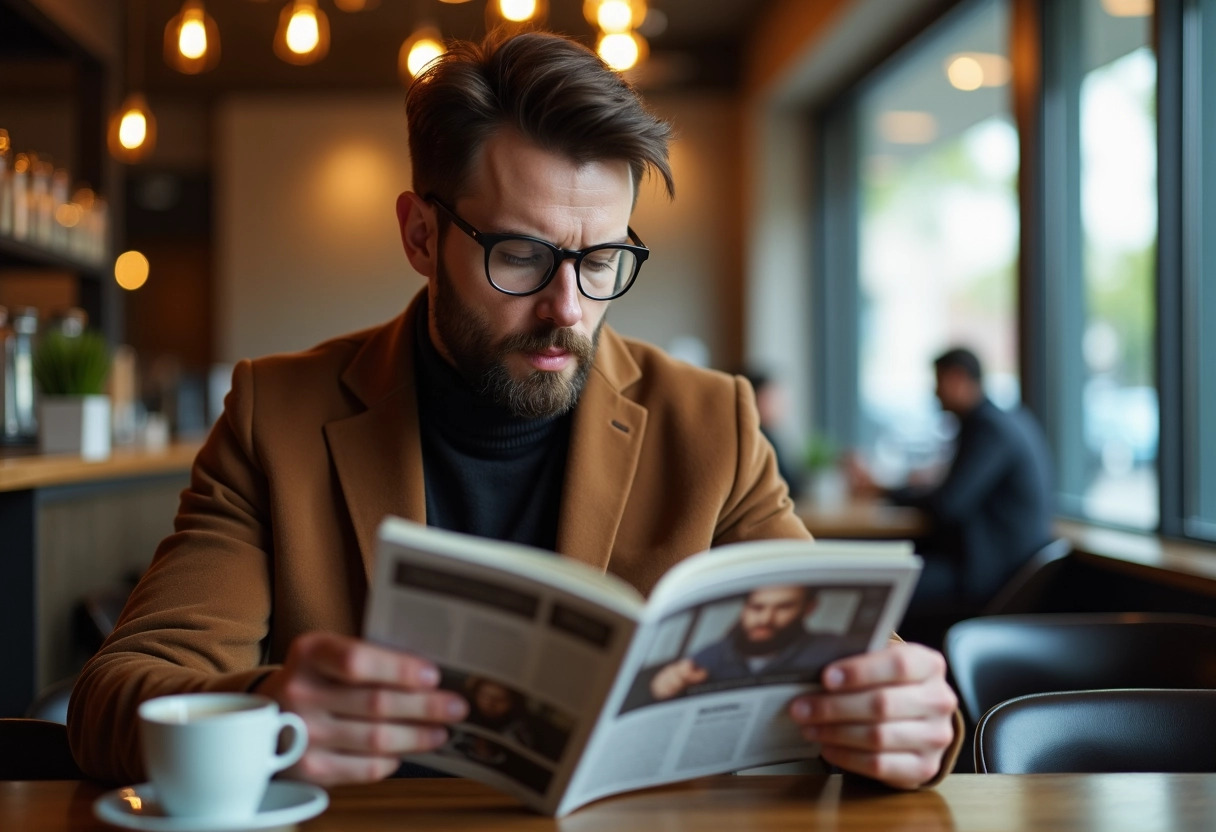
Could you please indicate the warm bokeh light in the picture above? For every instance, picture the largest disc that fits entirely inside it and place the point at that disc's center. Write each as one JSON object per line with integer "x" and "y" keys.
{"x": 356, "y": 5}
{"x": 620, "y": 51}
{"x": 907, "y": 126}
{"x": 517, "y": 11}
{"x": 1128, "y": 8}
{"x": 303, "y": 33}
{"x": 133, "y": 129}
{"x": 424, "y": 45}
{"x": 192, "y": 40}
{"x": 68, "y": 214}
{"x": 131, "y": 270}
{"x": 965, "y": 73}
{"x": 131, "y": 133}
{"x": 969, "y": 71}
{"x": 616, "y": 16}
{"x": 5, "y": 146}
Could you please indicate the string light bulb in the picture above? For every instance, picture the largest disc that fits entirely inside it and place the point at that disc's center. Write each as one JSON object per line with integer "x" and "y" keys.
{"x": 192, "y": 40}
{"x": 424, "y": 45}
{"x": 131, "y": 270}
{"x": 131, "y": 136}
{"x": 303, "y": 33}
{"x": 615, "y": 17}
{"x": 622, "y": 50}
{"x": 516, "y": 15}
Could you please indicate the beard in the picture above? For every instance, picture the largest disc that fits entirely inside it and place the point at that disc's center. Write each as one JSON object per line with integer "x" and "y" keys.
{"x": 778, "y": 641}
{"x": 482, "y": 362}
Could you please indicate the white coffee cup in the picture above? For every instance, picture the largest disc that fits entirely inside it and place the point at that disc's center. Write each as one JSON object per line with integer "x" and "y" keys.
{"x": 211, "y": 755}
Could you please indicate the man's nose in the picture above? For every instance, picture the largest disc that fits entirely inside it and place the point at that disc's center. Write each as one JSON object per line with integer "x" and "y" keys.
{"x": 560, "y": 303}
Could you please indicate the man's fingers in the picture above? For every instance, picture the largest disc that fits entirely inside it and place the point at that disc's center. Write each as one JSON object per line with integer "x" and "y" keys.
{"x": 329, "y": 768}
{"x": 351, "y": 661}
{"x": 903, "y": 770}
{"x": 365, "y": 738}
{"x": 694, "y": 675}
{"x": 896, "y": 664}
{"x": 394, "y": 704}
{"x": 883, "y": 704}
{"x": 914, "y": 735}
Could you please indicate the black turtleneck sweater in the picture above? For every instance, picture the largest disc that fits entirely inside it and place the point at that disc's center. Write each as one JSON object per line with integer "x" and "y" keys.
{"x": 487, "y": 472}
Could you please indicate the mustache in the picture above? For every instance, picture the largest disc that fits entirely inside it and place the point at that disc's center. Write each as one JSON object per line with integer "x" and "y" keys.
{"x": 562, "y": 339}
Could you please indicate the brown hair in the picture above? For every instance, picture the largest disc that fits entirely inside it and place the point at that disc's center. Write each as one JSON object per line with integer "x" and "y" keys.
{"x": 555, "y": 91}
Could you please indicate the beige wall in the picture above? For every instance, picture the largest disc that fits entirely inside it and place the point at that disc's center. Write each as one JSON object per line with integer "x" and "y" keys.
{"x": 308, "y": 247}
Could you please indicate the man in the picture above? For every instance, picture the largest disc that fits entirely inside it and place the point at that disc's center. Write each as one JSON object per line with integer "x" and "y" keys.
{"x": 992, "y": 510}
{"x": 768, "y": 639}
{"x": 497, "y": 404}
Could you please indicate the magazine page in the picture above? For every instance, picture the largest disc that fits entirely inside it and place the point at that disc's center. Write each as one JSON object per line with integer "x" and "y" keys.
{"x": 707, "y": 685}
{"x": 533, "y": 642}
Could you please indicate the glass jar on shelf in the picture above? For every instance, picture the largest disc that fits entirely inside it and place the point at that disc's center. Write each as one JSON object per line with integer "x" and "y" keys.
{"x": 6, "y": 185}
{"x": 20, "y": 191}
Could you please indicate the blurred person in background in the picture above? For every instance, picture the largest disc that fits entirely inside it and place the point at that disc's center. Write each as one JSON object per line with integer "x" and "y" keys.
{"x": 992, "y": 508}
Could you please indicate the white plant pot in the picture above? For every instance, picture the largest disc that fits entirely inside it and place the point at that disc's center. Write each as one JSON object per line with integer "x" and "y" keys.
{"x": 75, "y": 425}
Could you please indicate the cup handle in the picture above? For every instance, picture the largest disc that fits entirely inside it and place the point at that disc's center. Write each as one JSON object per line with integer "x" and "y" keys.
{"x": 299, "y": 741}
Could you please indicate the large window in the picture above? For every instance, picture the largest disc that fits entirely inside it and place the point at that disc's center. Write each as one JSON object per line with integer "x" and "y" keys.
{"x": 1201, "y": 435}
{"x": 1073, "y": 247}
{"x": 1108, "y": 335}
{"x": 937, "y": 233}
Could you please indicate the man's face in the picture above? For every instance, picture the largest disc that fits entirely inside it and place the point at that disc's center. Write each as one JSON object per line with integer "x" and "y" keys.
{"x": 531, "y": 353}
{"x": 955, "y": 390}
{"x": 771, "y": 611}
{"x": 492, "y": 700}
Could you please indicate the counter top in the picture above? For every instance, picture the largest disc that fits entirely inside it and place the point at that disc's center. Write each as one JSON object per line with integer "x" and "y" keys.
{"x": 19, "y": 473}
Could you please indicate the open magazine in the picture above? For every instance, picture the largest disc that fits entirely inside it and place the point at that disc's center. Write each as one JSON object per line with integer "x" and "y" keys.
{"x": 579, "y": 687}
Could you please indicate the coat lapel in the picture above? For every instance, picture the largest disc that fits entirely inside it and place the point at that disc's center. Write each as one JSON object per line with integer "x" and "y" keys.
{"x": 605, "y": 443}
{"x": 377, "y": 452}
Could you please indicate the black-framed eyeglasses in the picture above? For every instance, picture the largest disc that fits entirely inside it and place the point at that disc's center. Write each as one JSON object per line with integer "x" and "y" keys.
{"x": 521, "y": 265}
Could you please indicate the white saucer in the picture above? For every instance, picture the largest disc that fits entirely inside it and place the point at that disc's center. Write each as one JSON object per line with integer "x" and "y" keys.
{"x": 286, "y": 802}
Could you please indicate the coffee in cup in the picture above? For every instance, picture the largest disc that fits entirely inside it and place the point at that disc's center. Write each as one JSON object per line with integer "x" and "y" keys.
{"x": 211, "y": 755}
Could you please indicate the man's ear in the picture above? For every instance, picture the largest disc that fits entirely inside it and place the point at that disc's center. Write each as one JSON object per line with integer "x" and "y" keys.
{"x": 419, "y": 233}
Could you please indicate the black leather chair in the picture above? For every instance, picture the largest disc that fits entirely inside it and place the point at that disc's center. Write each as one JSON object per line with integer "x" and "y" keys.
{"x": 996, "y": 658}
{"x": 1099, "y": 731}
{"x": 1022, "y": 592}
{"x": 35, "y": 749}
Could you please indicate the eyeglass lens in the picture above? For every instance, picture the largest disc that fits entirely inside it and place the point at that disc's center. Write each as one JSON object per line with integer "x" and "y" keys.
{"x": 518, "y": 265}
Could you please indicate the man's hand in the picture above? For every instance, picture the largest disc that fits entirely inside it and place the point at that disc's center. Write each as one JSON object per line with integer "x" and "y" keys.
{"x": 673, "y": 679}
{"x": 365, "y": 706}
{"x": 887, "y": 715}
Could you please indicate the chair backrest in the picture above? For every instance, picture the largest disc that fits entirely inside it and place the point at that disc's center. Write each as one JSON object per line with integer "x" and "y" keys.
{"x": 995, "y": 658}
{"x": 1022, "y": 592}
{"x": 35, "y": 749}
{"x": 1099, "y": 731}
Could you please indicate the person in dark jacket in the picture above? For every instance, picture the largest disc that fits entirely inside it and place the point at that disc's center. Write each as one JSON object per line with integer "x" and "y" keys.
{"x": 992, "y": 510}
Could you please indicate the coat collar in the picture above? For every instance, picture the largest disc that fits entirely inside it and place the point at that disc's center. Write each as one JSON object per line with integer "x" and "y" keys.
{"x": 377, "y": 452}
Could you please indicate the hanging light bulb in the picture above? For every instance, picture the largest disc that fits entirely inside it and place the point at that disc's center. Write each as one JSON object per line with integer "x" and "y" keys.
{"x": 192, "y": 40}
{"x": 516, "y": 15}
{"x": 615, "y": 16}
{"x": 132, "y": 131}
{"x": 303, "y": 33}
{"x": 424, "y": 45}
{"x": 517, "y": 11}
{"x": 622, "y": 50}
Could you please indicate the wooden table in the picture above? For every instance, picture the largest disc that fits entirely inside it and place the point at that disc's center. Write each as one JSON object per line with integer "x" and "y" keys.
{"x": 987, "y": 802}
{"x": 862, "y": 519}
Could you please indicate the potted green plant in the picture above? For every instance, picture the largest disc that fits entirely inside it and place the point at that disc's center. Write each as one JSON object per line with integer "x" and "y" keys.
{"x": 74, "y": 411}
{"x": 820, "y": 458}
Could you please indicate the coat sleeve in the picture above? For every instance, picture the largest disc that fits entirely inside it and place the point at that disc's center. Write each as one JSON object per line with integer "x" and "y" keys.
{"x": 759, "y": 505}
{"x": 198, "y": 619}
